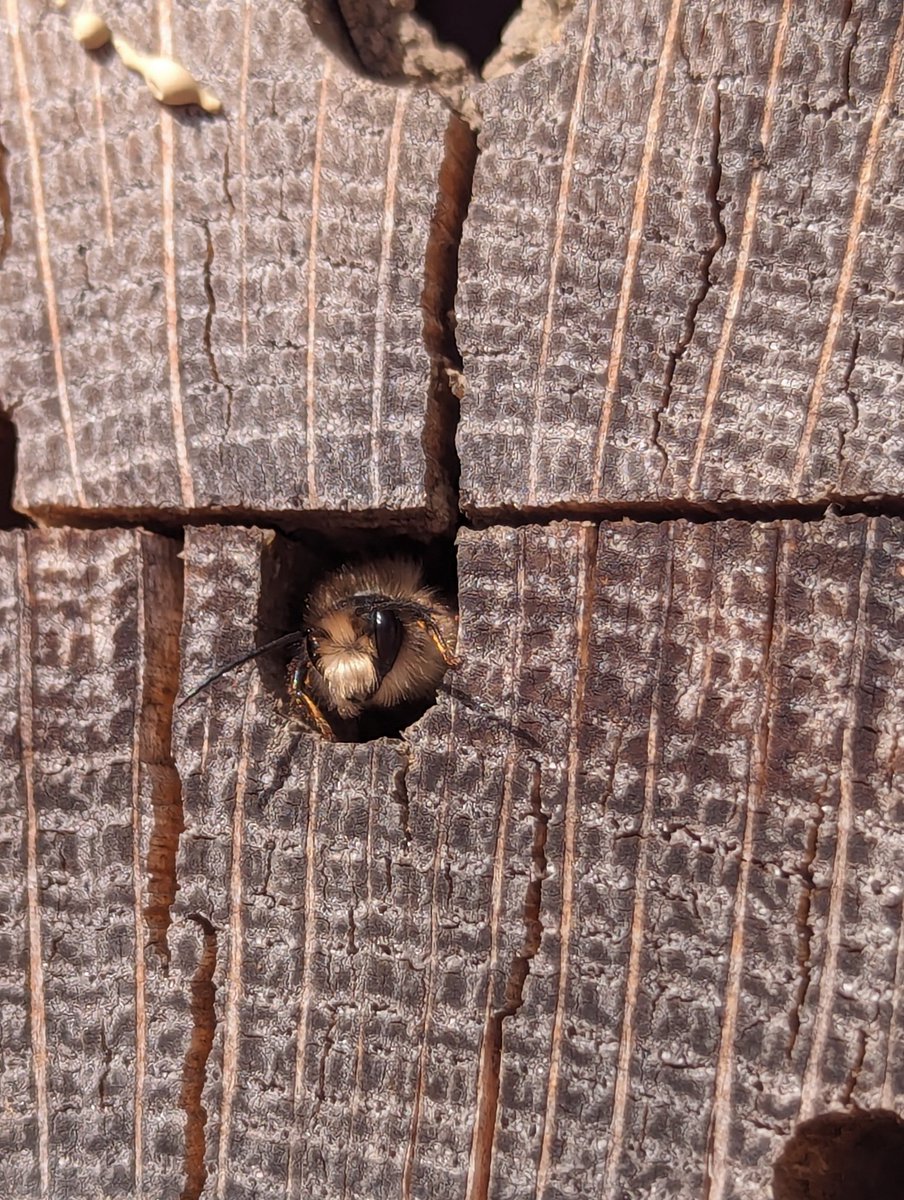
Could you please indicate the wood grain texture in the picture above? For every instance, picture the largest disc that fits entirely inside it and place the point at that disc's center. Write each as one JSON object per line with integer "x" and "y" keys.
{"x": 19, "y": 1121}
{"x": 215, "y": 313}
{"x": 74, "y": 1053}
{"x": 624, "y": 908}
{"x": 659, "y": 201}
{"x": 608, "y": 924}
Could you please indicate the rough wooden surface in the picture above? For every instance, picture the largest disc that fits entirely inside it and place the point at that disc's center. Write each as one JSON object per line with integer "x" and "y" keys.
{"x": 675, "y": 275}
{"x": 658, "y": 200}
{"x": 186, "y": 295}
{"x": 624, "y": 908}
{"x": 618, "y": 954}
{"x": 82, "y": 612}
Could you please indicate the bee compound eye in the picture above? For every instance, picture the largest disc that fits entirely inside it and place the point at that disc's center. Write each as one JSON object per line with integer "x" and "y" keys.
{"x": 388, "y": 635}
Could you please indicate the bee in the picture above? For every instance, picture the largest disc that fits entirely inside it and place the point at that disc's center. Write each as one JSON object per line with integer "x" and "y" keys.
{"x": 374, "y": 637}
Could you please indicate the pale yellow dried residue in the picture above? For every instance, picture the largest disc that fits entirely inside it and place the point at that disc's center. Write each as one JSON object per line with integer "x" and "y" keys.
{"x": 168, "y": 81}
{"x": 90, "y": 30}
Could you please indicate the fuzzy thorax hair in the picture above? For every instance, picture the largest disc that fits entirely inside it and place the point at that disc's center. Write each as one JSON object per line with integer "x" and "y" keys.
{"x": 346, "y": 677}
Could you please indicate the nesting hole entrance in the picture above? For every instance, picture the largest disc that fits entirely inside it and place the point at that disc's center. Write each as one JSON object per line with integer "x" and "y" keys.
{"x": 444, "y": 44}
{"x": 472, "y": 26}
{"x": 843, "y": 1156}
{"x": 291, "y": 567}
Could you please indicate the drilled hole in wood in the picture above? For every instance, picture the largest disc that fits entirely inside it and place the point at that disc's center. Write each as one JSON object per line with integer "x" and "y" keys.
{"x": 474, "y": 26}
{"x": 440, "y": 43}
{"x": 843, "y": 1156}
{"x": 291, "y": 568}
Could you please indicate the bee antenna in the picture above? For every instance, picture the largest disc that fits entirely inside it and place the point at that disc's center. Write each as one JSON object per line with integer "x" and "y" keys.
{"x": 287, "y": 639}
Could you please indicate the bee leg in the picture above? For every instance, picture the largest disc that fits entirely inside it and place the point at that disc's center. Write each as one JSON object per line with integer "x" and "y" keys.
{"x": 318, "y": 719}
{"x": 301, "y": 696}
{"x": 432, "y": 631}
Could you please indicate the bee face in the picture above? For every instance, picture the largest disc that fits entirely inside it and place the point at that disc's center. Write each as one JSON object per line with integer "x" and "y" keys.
{"x": 376, "y": 637}
{"x": 353, "y": 650}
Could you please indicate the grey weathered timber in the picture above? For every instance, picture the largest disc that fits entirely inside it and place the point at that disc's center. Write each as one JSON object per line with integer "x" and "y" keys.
{"x": 19, "y": 1124}
{"x": 216, "y": 313}
{"x": 624, "y": 908}
{"x": 615, "y": 938}
{"x": 659, "y": 200}
{"x": 86, "y": 614}
{"x": 677, "y": 276}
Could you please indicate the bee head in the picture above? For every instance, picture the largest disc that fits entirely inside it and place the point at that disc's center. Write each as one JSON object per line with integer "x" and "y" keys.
{"x": 354, "y": 648}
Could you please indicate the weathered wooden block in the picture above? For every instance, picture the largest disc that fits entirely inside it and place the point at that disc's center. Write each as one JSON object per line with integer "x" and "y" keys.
{"x": 659, "y": 201}
{"x": 218, "y": 313}
{"x": 623, "y": 908}
{"x": 615, "y": 915}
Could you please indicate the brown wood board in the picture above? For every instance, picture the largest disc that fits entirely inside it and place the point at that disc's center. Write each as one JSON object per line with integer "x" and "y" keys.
{"x": 81, "y": 671}
{"x": 677, "y": 278}
{"x": 677, "y": 275}
{"x": 609, "y": 924}
{"x": 624, "y": 908}
{"x": 210, "y": 313}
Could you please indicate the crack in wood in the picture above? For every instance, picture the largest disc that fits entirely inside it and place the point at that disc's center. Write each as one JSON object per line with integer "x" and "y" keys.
{"x": 208, "y": 327}
{"x": 695, "y": 512}
{"x": 841, "y": 304}
{"x": 329, "y": 24}
{"x": 170, "y": 522}
{"x": 443, "y": 409}
{"x": 164, "y": 590}
{"x": 227, "y": 195}
{"x": 194, "y": 1075}
{"x": 805, "y": 930}
{"x": 853, "y": 1075}
{"x": 704, "y": 270}
{"x": 533, "y": 896}
{"x": 851, "y": 397}
{"x": 852, "y": 36}
{"x": 513, "y": 998}
{"x": 329, "y": 1040}
{"x": 9, "y": 441}
{"x": 400, "y": 795}
{"x": 6, "y": 208}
